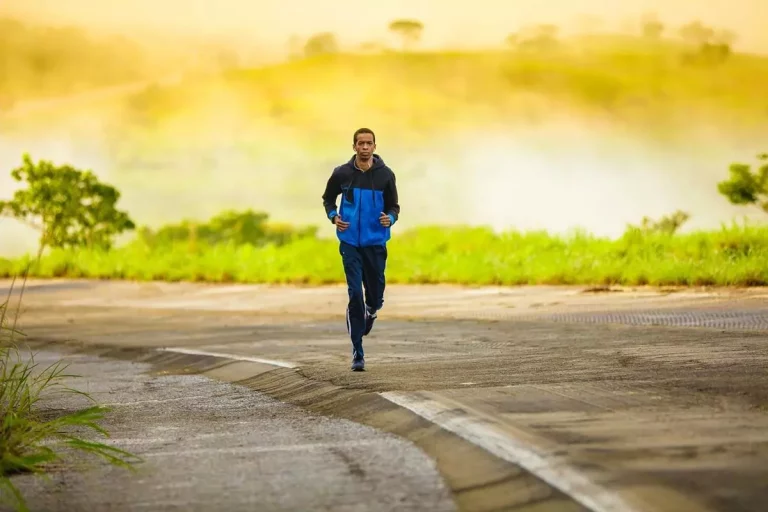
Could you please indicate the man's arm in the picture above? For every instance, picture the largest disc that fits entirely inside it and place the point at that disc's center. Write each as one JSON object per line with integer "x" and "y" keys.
{"x": 332, "y": 191}
{"x": 391, "y": 204}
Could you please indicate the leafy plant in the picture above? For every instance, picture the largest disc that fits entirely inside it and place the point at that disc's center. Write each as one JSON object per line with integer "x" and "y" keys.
{"x": 69, "y": 207}
{"x": 667, "y": 224}
{"x": 324, "y": 43}
{"x": 745, "y": 187}
{"x": 238, "y": 228}
{"x": 28, "y": 443}
{"x": 410, "y": 31}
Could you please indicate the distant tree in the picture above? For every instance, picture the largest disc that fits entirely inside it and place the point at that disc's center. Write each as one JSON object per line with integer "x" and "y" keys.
{"x": 512, "y": 39}
{"x": 68, "y": 206}
{"x": 712, "y": 46}
{"x": 229, "y": 227}
{"x": 652, "y": 27}
{"x": 324, "y": 43}
{"x": 696, "y": 33}
{"x": 410, "y": 31}
{"x": 538, "y": 38}
{"x": 667, "y": 224}
{"x": 745, "y": 187}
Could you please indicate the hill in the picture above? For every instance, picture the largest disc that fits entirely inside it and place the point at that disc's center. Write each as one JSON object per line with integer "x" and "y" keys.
{"x": 635, "y": 83}
{"x": 597, "y": 132}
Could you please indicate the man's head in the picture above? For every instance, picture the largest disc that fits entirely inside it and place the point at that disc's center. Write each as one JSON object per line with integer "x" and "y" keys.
{"x": 364, "y": 143}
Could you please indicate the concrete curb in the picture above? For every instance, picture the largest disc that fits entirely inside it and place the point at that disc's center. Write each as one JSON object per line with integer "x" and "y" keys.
{"x": 478, "y": 480}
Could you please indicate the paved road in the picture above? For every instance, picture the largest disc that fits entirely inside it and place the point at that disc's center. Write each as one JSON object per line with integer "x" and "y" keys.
{"x": 209, "y": 445}
{"x": 628, "y": 400}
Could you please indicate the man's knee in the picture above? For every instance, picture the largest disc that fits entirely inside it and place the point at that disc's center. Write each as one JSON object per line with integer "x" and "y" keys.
{"x": 355, "y": 294}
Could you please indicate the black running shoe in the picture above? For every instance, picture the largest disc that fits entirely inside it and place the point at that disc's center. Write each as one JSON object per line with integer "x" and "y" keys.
{"x": 369, "y": 319}
{"x": 358, "y": 363}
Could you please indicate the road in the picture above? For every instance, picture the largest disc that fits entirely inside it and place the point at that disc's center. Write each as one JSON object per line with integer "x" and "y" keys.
{"x": 209, "y": 445}
{"x": 533, "y": 398}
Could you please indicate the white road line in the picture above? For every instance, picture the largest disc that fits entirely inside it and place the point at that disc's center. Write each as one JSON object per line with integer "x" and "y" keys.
{"x": 235, "y": 357}
{"x": 552, "y": 469}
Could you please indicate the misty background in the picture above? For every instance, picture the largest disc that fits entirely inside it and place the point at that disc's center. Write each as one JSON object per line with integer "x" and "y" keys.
{"x": 215, "y": 111}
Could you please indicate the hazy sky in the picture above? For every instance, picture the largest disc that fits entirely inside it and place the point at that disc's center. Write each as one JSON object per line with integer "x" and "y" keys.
{"x": 447, "y": 21}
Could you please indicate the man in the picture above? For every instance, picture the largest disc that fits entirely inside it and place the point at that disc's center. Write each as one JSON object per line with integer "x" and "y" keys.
{"x": 368, "y": 209}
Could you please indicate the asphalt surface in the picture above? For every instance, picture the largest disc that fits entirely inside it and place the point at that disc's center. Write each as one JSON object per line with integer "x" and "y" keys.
{"x": 617, "y": 400}
{"x": 208, "y": 445}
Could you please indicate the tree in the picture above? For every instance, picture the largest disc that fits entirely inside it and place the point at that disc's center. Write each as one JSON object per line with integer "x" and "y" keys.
{"x": 696, "y": 33}
{"x": 68, "y": 206}
{"x": 745, "y": 187}
{"x": 410, "y": 31}
{"x": 713, "y": 46}
{"x": 539, "y": 38}
{"x": 667, "y": 224}
{"x": 652, "y": 27}
{"x": 321, "y": 44}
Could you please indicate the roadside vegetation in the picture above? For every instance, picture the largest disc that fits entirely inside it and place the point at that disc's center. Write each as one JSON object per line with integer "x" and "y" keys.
{"x": 656, "y": 80}
{"x": 77, "y": 231}
{"x": 32, "y": 439}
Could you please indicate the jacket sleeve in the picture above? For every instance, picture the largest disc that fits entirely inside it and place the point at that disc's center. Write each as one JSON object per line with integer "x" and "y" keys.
{"x": 391, "y": 201}
{"x": 332, "y": 191}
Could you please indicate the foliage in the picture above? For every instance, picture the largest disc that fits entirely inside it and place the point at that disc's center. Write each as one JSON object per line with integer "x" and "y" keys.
{"x": 668, "y": 224}
{"x": 410, "y": 31}
{"x": 652, "y": 27}
{"x": 321, "y": 44}
{"x": 736, "y": 255}
{"x": 28, "y": 442}
{"x": 745, "y": 187}
{"x": 229, "y": 227}
{"x": 713, "y": 46}
{"x": 68, "y": 206}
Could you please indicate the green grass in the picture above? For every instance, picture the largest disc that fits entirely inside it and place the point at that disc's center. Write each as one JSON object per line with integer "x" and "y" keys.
{"x": 30, "y": 441}
{"x": 732, "y": 256}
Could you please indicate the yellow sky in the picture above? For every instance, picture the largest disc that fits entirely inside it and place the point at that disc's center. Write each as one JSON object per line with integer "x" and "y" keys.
{"x": 447, "y": 21}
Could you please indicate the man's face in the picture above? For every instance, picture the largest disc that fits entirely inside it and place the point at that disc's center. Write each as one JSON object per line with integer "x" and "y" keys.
{"x": 364, "y": 146}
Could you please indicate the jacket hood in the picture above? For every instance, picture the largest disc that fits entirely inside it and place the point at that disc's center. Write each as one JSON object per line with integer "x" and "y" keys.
{"x": 377, "y": 161}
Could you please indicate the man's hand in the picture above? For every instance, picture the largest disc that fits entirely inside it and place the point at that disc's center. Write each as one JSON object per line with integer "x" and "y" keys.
{"x": 385, "y": 220}
{"x": 340, "y": 224}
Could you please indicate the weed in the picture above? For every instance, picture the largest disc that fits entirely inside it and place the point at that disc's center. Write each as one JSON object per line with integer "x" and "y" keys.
{"x": 28, "y": 442}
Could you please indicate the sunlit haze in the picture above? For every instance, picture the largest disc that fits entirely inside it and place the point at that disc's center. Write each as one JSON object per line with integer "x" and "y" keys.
{"x": 470, "y": 139}
{"x": 448, "y": 22}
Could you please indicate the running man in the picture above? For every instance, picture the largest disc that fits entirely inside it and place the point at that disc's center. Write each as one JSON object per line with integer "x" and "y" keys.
{"x": 368, "y": 209}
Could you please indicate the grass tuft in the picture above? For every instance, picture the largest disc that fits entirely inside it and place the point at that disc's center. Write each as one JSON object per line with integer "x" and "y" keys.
{"x": 29, "y": 443}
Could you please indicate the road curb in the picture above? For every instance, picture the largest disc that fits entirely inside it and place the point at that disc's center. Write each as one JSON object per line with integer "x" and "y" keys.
{"x": 478, "y": 480}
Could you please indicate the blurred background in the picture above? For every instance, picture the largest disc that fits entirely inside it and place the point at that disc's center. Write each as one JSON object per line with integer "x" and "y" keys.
{"x": 565, "y": 115}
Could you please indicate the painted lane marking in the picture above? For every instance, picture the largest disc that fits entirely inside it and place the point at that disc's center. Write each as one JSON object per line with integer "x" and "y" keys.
{"x": 193, "y": 352}
{"x": 554, "y": 470}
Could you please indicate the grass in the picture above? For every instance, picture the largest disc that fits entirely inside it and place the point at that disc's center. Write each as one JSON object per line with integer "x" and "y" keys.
{"x": 732, "y": 256}
{"x": 29, "y": 440}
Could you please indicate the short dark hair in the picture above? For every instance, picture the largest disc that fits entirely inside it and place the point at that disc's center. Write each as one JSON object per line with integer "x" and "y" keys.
{"x": 363, "y": 130}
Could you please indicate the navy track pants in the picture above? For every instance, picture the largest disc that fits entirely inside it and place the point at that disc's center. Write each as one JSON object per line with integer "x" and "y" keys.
{"x": 364, "y": 267}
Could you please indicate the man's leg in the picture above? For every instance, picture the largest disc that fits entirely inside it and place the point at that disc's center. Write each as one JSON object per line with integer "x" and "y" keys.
{"x": 353, "y": 269}
{"x": 374, "y": 265}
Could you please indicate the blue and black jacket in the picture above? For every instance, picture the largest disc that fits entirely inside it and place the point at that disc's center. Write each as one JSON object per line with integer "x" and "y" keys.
{"x": 364, "y": 197}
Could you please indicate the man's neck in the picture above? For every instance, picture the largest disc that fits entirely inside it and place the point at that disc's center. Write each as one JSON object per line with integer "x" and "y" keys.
{"x": 364, "y": 165}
